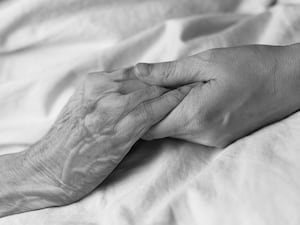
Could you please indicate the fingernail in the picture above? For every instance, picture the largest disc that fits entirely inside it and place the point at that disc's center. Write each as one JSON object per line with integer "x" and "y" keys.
{"x": 142, "y": 69}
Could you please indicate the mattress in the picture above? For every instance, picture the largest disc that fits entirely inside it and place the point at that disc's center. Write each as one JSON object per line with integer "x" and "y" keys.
{"x": 47, "y": 47}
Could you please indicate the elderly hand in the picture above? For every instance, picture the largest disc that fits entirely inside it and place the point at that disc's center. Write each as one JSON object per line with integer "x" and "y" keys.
{"x": 98, "y": 126}
{"x": 235, "y": 91}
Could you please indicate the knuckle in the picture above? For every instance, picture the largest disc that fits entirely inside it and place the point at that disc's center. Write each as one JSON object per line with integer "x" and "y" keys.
{"x": 175, "y": 96}
{"x": 147, "y": 111}
{"x": 144, "y": 113}
{"x": 123, "y": 74}
{"x": 95, "y": 84}
{"x": 138, "y": 114}
{"x": 143, "y": 69}
{"x": 154, "y": 91}
{"x": 114, "y": 103}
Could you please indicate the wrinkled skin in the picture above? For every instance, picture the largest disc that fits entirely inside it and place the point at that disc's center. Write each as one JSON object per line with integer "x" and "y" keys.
{"x": 218, "y": 97}
{"x": 97, "y": 128}
{"x": 235, "y": 91}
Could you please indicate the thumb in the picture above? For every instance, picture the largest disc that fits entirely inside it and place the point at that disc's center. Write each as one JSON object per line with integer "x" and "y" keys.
{"x": 170, "y": 74}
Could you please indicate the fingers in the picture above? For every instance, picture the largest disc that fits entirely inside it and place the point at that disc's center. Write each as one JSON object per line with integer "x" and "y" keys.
{"x": 165, "y": 128}
{"x": 137, "y": 97}
{"x": 129, "y": 86}
{"x": 170, "y": 74}
{"x": 118, "y": 74}
{"x": 175, "y": 123}
{"x": 96, "y": 84}
{"x": 123, "y": 81}
{"x": 148, "y": 113}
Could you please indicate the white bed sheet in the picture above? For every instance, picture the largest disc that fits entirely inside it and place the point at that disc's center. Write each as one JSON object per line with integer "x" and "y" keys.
{"x": 47, "y": 47}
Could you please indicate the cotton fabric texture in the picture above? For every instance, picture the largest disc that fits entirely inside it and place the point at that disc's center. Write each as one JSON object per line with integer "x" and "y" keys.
{"x": 47, "y": 47}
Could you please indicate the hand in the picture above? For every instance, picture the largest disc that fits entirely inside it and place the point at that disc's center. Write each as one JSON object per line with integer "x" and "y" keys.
{"x": 97, "y": 128}
{"x": 236, "y": 91}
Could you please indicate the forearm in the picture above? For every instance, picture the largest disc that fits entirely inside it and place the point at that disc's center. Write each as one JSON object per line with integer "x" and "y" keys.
{"x": 291, "y": 64}
{"x": 25, "y": 187}
{"x": 288, "y": 74}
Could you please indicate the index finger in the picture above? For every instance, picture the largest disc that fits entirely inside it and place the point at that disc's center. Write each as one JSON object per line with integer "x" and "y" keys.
{"x": 145, "y": 115}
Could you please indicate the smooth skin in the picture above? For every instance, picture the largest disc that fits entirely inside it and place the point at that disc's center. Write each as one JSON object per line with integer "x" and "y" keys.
{"x": 235, "y": 92}
{"x": 217, "y": 97}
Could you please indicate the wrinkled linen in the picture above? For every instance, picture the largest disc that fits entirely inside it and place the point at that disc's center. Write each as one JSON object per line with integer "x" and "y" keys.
{"x": 46, "y": 49}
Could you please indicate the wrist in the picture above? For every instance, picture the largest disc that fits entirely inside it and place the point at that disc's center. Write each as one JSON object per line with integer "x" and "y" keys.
{"x": 23, "y": 187}
{"x": 285, "y": 80}
{"x": 40, "y": 163}
{"x": 289, "y": 68}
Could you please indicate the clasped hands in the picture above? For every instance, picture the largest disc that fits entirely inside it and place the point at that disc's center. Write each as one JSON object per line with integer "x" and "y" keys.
{"x": 212, "y": 98}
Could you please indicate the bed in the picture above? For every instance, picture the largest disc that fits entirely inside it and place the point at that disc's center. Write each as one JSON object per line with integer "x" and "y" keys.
{"x": 47, "y": 47}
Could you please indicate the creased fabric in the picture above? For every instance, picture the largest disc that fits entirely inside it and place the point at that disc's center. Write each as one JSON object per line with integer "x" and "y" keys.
{"x": 46, "y": 49}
